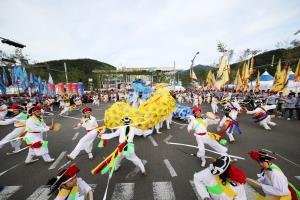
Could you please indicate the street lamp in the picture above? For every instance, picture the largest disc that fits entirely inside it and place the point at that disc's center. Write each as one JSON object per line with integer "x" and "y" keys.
{"x": 12, "y": 43}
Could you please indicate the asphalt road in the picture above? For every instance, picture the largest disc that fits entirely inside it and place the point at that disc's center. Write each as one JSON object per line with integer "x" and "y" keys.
{"x": 170, "y": 170}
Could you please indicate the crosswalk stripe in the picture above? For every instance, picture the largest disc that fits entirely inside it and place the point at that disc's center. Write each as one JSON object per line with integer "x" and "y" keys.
{"x": 8, "y": 191}
{"x": 75, "y": 136}
{"x": 166, "y": 140}
{"x": 194, "y": 188}
{"x": 40, "y": 194}
{"x": 170, "y": 168}
{"x": 163, "y": 191}
{"x": 135, "y": 171}
{"x": 123, "y": 191}
{"x": 153, "y": 141}
{"x": 57, "y": 161}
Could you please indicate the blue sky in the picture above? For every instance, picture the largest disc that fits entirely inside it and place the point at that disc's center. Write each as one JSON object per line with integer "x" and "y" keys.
{"x": 146, "y": 33}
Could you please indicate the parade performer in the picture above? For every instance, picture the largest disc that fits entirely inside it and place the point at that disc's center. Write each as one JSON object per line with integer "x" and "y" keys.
{"x": 229, "y": 121}
{"x": 96, "y": 100}
{"x": 262, "y": 115}
{"x": 221, "y": 181}
{"x": 199, "y": 126}
{"x": 214, "y": 104}
{"x": 86, "y": 143}
{"x": 271, "y": 178}
{"x": 3, "y": 110}
{"x": 70, "y": 187}
{"x": 19, "y": 123}
{"x": 35, "y": 126}
{"x": 66, "y": 107}
{"x": 126, "y": 135}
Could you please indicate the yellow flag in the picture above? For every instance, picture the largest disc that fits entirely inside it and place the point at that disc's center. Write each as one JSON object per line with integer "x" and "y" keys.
{"x": 251, "y": 66}
{"x": 245, "y": 77}
{"x": 297, "y": 72}
{"x": 210, "y": 79}
{"x": 223, "y": 73}
{"x": 193, "y": 75}
{"x": 278, "y": 72}
{"x": 257, "y": 85}
{"x": 238, "y": 81}
{"x": 282, "y": 80}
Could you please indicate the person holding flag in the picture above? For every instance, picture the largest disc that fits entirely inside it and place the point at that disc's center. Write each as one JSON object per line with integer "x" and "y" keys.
{"x": 126, "y": 134}
{"x": 19, "y": 123}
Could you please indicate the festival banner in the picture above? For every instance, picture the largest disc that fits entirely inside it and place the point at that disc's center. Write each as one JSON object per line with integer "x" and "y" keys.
{"x": 75, "y": 88}
{"x": 69, "y": 88}
{"x": 80, "y": 88}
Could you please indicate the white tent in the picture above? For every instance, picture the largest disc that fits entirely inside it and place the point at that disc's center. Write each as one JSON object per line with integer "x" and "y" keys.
{"x": 266, "y": 82}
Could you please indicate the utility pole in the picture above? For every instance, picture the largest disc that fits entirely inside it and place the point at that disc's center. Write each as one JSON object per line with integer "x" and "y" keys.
{"x": 66, "y": 72}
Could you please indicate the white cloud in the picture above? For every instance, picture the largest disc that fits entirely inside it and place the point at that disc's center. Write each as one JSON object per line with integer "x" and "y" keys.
{"x": 144, "y": 32}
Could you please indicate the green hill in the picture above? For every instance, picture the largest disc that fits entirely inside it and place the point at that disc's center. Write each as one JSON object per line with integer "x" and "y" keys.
{"x": 79, "y": 70}
{"x": 262, "y": 62}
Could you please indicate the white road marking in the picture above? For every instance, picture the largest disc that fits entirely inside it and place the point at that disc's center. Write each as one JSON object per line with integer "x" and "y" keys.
{"x": 170, "y": 168}
{"x": 123, "y": 191}
{"x": 8, "y": 191}
{"x": 166, "y": 140}
{"x": 195, "y": 191}
{"x": 40, "y": 194}
{"x": 2, "y": 173}
{"x": 153, "y": 141}
{"x": 163, "y": 191}
{"x": 135, "y": 171}
{"x": 93, "y": 186}
{"x": 75, "y": 136}
{"x": 57, "y": 161}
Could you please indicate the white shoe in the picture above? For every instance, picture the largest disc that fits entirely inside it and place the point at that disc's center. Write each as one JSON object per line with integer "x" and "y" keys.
{"x": 31, "y": 161}
{"x": 203, "y": 163}
{"x": 50, "y": 160}
{"x": 91, "y": 156}
{"x": 288, "y": 119}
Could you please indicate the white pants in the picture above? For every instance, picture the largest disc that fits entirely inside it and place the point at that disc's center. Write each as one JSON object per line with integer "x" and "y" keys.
{"x": 230, "y": 134}
{"x": 85, "y": 143}
{"x": 2, "y": 115}
{"x": 133, "y": 158}
{"x": 12, "y": 135}
{"x": 205, "y": 139}
{"x": 32, "y": 152}
{"x": 65, "y": 110}
{"x": 266, "y": 122}
{"x": 214, "y": 108}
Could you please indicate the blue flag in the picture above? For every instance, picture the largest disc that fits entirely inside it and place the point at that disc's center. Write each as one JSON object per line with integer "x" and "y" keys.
{"x": 4, "y": 78}
{"x": 2, "y": 87}
{"x": 40, "y": 87}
